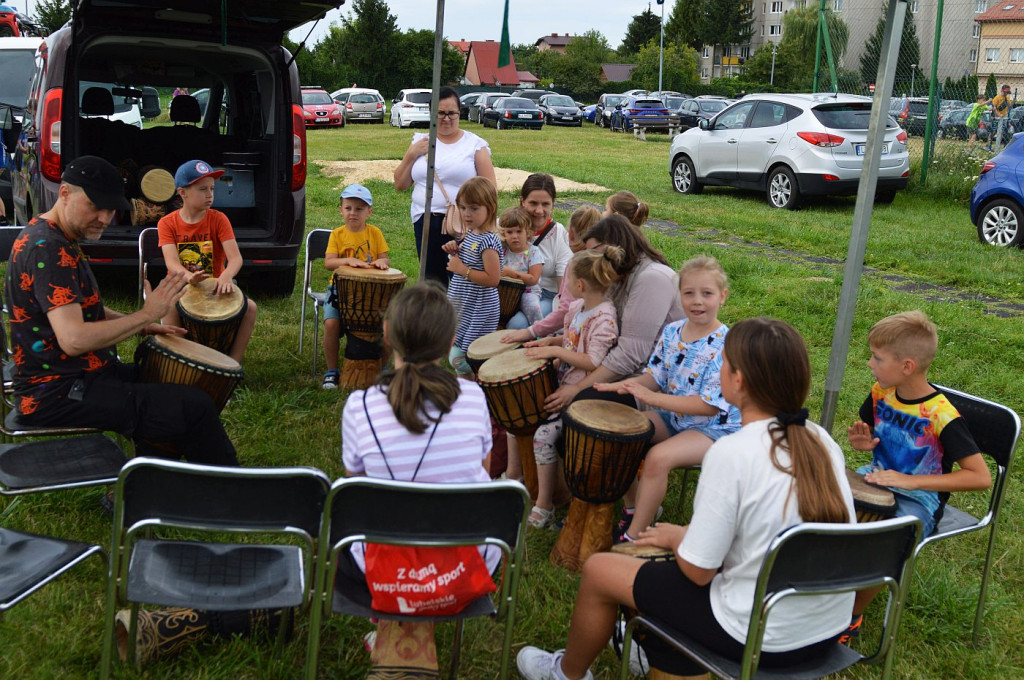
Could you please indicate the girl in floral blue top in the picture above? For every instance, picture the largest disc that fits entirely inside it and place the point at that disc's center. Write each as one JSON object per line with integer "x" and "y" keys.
{"x": 682, "y": 383}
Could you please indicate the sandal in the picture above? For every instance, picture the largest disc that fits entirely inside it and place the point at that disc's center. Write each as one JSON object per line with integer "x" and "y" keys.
{"x": 540, "y": 518}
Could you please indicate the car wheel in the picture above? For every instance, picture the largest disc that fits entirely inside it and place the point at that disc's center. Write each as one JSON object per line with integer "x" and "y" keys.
{"x": 885, "y": 197}
{"x": 782, "y": 189}
{"x": 599, "y": 120}
{"x": 1002, "y": 224}
{"x": 684, "y": 177}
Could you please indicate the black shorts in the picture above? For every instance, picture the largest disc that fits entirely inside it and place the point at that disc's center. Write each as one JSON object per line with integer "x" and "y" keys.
{"x": 662, "y": 591}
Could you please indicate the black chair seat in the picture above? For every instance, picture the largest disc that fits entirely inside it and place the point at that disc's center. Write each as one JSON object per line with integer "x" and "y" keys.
{"x": 27, "y": 562}
{"x": 14, "y": 423}
{"x": 838, "y": 658}
{"x": 76, "y": 461}
{"x": 955, "y": 520}
{"x": 215, "y": 576}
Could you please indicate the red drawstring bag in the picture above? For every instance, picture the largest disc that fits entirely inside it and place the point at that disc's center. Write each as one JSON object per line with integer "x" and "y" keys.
{"x": 425, "y": 580}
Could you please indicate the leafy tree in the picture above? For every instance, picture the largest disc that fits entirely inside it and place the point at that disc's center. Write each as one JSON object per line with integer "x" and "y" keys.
{"x": 52, "y": 14}
{"x": 590, "y": 47}
{"x": 910, "y": 51}
{"x": 679, "y": 69}
{"x": 644, "y": 28}
{"x": 545, "y": 64}
{"x": 415, "y": 63}
{"x": 991, "y": 88}
{"x": 522, "y": 53}
{"x": 965, "y": 88}
{"x": 683, "y": 26}
{"x": 578, "y": 71}
{"x": 794, "y": 61}
{"x": 372, "y": 45}
{"x": 726, "y": 22}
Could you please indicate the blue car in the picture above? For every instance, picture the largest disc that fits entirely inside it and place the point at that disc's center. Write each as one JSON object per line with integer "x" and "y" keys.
{"x": 997, "y": 200}
{"x": 649, "y": 113}
{"x": 588, "y": 113}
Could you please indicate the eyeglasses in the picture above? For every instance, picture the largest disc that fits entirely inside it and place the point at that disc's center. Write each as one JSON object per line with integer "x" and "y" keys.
{"x": 449, "y": 115}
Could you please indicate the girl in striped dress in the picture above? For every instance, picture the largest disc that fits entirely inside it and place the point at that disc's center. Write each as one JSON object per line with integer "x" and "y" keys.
{"x": 476, "y": 263}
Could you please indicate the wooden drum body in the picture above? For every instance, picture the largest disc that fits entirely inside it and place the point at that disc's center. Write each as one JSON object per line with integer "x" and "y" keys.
{"x": 872, "y": 503}
{"x": 487, "y": 347}
{"x": 510, "y": 292}
{"x": 174, "y": 360}
{"x": 363, "y": 295}
{"x": 516, "y": 387}
{"x": 605, "y": 443}
{"x": 211, "y": 319}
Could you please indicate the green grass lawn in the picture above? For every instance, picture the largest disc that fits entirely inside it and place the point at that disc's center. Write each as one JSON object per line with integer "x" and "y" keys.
{"x": 782, "y": 264}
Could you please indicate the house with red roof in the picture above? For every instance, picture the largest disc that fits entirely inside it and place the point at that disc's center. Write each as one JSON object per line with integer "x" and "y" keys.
{"x": 1001, "y": 46}
{"x": 482, "y": 66}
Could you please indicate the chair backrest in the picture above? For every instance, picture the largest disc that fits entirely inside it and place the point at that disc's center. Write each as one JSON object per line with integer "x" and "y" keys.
{"x": 97, "y": 101}
{"x": 995, "y": 428}
{"x": 149, "y": 249}
{"x": 185, "y": 109}
{"x": 220, "y": 498}
{"x": 415, "y": 512}
{"x": 316, "y": 249}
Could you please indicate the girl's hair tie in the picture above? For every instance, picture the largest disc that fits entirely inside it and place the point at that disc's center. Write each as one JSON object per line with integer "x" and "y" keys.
{"x": 799, "y": 418}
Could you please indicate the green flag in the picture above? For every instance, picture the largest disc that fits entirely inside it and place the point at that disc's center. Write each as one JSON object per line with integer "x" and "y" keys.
{"x": 505, "y": 50}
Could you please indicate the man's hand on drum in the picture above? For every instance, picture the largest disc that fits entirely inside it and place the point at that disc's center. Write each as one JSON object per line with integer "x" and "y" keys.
{"x": 224, "y": 284}
{"x": 861, "y": 437}
{"x": 662, "y": 535}
{"x": 518, "y": 336}
{"x": 561, "y": 398}
{"x": 161, "y": 300}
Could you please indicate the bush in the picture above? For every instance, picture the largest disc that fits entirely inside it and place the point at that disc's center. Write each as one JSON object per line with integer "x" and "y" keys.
{"x": 952, "y": 174}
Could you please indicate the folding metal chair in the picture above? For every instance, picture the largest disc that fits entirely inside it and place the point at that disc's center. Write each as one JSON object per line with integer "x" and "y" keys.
{"x": 361, "y": 509}
{"x": 316, "y": 249}
{"x": 271, "y": 507}
{"x": 30, "y": 561}
{"x": 148, "y": 251}
{"x": 811, "y": 559}
{"x": 996, "y": 430}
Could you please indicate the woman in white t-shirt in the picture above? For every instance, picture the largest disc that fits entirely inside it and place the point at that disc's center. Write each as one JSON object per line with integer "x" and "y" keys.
{"x": 778, "y": 471}
{"x": 459, "y": 155}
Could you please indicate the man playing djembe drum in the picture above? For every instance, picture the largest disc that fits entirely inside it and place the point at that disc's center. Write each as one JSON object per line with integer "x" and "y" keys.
{"x": 64, "y": 340}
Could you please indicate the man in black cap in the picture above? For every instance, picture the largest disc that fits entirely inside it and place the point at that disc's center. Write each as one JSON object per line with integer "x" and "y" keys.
{"x": 1000, "y": 113}
{"x": 64, "y": 340}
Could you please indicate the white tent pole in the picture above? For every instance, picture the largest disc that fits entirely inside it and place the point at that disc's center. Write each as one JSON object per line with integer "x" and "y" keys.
{"x": 432, "y": 141}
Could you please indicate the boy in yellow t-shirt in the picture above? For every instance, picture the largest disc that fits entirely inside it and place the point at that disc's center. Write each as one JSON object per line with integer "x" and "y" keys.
{"x": 356, "y": 244}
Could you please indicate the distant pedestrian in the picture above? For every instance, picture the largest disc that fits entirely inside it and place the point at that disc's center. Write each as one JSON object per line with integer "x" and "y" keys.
{"x": 974, "y": 119}
{"x": 1000, "y": 115}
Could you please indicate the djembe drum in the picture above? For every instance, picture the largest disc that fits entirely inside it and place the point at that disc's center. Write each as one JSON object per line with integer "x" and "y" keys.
{"x": 404, "y": 650}
{"x": 605, "y": 443}
{"x": 173, "y": 359}
{"x": 510, "y": 292}
{"x": 487, "y": 347}
{"x": 872, "y": 503}
{"x": 516, "y": 387}
{"x": 155, "y": 189}
{"x": 363, "y": 295}
{"x": 210, "y": 318}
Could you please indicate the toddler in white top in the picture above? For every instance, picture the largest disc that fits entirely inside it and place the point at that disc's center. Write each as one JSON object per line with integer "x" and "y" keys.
{"x": 522, "y": 260}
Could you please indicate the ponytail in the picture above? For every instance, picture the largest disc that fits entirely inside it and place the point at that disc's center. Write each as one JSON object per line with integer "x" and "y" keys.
{"x": 627, "y": 204}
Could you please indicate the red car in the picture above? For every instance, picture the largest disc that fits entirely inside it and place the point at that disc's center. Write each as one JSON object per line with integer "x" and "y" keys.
{"x": 13, "y": 24}
{"x": 319, "y": 110}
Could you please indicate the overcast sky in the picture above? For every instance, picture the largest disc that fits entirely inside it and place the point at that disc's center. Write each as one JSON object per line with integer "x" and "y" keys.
{"x": 528, "y": 19}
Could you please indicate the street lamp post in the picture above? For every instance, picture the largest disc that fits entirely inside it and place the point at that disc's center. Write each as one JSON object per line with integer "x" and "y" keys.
{"x": 661, "y": 49}
{"x": 913, "y": 72}
{"x": 775, "y": 48}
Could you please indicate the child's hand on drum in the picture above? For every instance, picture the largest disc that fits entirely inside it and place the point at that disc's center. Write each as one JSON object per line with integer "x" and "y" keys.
{"x": 662, "y": 535}
{"x": 860, "y": 436}
{"x": 561, "y": 398}
{"x": 517, "y": 336}
{"x": 225, "y": 285}
{"x": 538, "y": 351}
{"x": 353, "y": 262}
{"x": 894, "y": 479}
{"x": 381, "y": 264}
{"x": 196, "y": 278}
{"x": 541, "y": 342}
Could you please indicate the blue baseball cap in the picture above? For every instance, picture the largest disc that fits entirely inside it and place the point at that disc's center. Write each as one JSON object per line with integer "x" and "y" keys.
{"x": 358, "y": 191}
{"x": 192, "y": 171}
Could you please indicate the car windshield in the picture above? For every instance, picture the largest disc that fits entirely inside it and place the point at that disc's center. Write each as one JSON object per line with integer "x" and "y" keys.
{"x": 712, "y": 106}
{"x": 918, "y": 107}
{"x": 559, "y": 101}
{"x": 314, "y": 98}
{"x": 519, "y": 103}
{"x": 673, "y": 102}
{"x": 17, "y": 69}
{"x": 849, "y": 116}
{"x": 611, "y": 102}
{"x": 363, "y": 99}
{"x": 418, "y": 97}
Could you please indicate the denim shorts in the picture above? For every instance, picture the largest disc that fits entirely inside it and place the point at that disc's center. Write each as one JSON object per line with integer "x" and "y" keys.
{"x": 331, "y": 310}
{"x": 710, "y": 431}
{"x": 908, "y": 507}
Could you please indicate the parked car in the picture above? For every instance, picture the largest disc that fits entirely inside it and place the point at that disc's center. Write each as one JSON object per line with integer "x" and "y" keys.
{"x": 411, "y": 106}
{"x": 513, "y": 112}
{"x": 14, "y": 24}
{"x": 665, "y": 94}
{"x": 465, "y": 101}
{"x": 319, "y": 109}
{"x": 912, "y": 114}
{"x": 790, "y": 146}
{"x": 674, "y": 105}
{"x": 531, "y": 93}
{"x": 651, "y": 113}
{"x": 361, "y": 104}
{"x": 1015, "y": 123}
{"x": 953, "y": 125}
{"x": 559, "y": 109}
{"x": 588, "y": 113}
{"x": 261, "y": 142}
{"x": 17, "y": 63}
{"x": 482, "y": 103}
{"x": 606, "y": 103}
{"x": 700, "y": 108}
{"x": 636, "y": 93}
{"x": 997, "y": 200}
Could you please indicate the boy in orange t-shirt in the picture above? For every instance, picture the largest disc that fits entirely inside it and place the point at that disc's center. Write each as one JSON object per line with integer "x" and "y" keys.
{"x": 198, "y": 239}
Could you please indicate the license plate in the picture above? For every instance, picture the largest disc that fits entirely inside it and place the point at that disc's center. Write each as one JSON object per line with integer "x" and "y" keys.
{"x": 323, "y": 120}
{"x": 527, "y": 116}
{"x": 566, "y": 117}
{"x": 862, "y": 147}
{"x": 364, "y": 115}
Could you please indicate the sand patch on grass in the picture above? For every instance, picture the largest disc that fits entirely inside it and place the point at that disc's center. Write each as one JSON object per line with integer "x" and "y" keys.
{"x": 384, "y": 171}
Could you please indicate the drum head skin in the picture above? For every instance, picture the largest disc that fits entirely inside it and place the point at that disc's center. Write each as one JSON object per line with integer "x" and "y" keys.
{"x": 508, "y": 366}
{"x": 157, "y": 185}
{"x": 608, "y": 416}
{"x": 865, "y": 492}
{"x": 370, "y": 274}
{"x": 187, "y": 349}
{"x": 647, "y": 552}
{"x": 201, "y": 301}
{"x": 490, "y": 345}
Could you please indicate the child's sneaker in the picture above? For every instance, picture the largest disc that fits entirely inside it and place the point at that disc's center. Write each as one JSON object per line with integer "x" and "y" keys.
{"x": 536, "y": 664}
{"x": 625, "y": 519}
{"x": 853, "y": 631}
{"x": 540, "y": 518}
{"x": 331, "y": 379}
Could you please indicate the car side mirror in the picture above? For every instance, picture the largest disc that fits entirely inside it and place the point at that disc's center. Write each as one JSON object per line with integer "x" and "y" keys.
{"x": 703, "y": 124}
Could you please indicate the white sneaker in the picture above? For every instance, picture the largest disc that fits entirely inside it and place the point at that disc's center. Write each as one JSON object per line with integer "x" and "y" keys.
{"x": 536, "y": 664}
{"x": 369, "y": 640}
{"x": 638, "y": 665}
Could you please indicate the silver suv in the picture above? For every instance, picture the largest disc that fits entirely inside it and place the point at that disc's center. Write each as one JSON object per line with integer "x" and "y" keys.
{"x": 789, "y": 146}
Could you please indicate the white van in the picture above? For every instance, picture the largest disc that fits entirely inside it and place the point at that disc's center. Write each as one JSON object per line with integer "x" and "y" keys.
{"x": 17, "y": 64}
